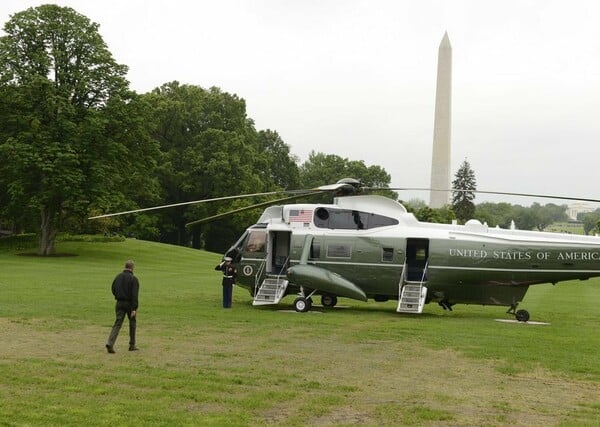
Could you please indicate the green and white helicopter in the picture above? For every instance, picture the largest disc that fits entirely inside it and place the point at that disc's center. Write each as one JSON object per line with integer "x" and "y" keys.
{"x": 369, "y": 247}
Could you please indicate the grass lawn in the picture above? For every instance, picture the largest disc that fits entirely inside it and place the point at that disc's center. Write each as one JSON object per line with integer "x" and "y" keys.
{"x": 357, "y": 364}
{"x": 566, "y": 227}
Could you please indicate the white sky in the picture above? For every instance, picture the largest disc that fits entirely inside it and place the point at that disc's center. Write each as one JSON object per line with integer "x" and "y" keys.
{"x": 357, "y": 78}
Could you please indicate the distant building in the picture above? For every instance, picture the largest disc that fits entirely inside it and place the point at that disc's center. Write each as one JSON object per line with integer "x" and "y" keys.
{"x": 577, "y": 208}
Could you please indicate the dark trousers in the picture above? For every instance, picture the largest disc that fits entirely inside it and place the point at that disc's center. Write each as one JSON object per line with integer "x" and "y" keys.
{"x": 122, "y": 308}
{"x": 227, "y": 294}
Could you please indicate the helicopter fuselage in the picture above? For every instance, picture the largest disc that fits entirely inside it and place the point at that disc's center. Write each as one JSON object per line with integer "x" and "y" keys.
{"x": 370, "y": 247}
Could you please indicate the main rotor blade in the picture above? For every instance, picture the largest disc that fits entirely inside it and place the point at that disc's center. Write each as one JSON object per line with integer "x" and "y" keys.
{"x": 543, "y": 196}
{"x": 247, "y": 208}
{"x": 502, "y": 193}
{"x": 333, "y": 187}
{"x": 242, "y": 196}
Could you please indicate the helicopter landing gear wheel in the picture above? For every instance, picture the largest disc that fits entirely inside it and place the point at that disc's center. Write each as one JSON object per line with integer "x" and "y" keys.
{"x": 522, "y": 315}
{"x": 328, "y": 300}
{"x": 302, "y": 305}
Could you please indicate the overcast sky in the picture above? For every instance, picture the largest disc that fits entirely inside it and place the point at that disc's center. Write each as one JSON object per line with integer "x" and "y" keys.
{"x": 357, "y": 78}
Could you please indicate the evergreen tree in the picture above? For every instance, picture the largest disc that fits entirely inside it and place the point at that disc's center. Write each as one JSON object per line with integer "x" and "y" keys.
{"x": 465, "y": 186}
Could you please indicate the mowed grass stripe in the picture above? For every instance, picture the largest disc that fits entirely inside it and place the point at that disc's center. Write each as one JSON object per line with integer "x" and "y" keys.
{"x": 200, "y": 364}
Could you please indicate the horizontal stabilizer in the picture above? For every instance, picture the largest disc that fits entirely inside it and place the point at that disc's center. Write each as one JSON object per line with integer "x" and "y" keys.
{"x": 311, "y": 276}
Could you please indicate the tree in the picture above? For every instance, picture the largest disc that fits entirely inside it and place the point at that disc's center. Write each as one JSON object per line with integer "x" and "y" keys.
{"x": 321, "y": 169}
{"x": 548, "y": 214}
{"x": 209, "y": 148}
{"x": 67, "y": 98}
{"x": 462, "y": 201}
{"x": 590, "y": 222}
{"x": 419, "y": 208}
{"x": 443, "y": 215}
{"x": 525, "y": 218}
{"x": 495, "y": 214}
{"x": 282, "y": 170}
{"x": 414, "y": 204}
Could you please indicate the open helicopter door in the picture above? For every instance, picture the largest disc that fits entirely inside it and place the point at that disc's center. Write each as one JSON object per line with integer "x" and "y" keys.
{"x": 413, "y": 291}
{"x": 274, "y": 284}
{"x": 278, "y": 251}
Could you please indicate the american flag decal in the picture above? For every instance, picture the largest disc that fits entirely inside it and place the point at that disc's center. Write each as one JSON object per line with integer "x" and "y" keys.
{"x": 301, "y": 215}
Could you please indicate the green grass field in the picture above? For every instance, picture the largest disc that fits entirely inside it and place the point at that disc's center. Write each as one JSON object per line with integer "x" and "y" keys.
{"x": 358, "y": 364}
{"x": 566, "y": 227}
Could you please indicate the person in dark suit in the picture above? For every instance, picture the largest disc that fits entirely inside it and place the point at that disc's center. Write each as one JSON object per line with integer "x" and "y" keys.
{"x": 125, "y": 288}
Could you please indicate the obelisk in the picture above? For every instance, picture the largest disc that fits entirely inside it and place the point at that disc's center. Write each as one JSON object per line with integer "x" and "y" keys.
{"x": 440, "y": 161}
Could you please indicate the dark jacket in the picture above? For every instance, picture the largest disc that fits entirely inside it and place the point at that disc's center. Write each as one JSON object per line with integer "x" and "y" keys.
{"x": 229, "y": 273}
{"x": 125, "y": 287}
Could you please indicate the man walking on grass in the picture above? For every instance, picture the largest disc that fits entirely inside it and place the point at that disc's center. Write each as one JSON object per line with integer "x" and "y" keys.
{"x": 125, "y": 288}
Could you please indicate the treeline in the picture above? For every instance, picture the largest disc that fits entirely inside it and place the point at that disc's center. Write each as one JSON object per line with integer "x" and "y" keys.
{"x": 75, "y": 142}
{"x": 504, "y": 215}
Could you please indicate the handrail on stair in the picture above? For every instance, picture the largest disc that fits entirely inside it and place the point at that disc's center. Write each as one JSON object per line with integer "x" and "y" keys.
{"x": 423, "y": 277}
{"x": 259, "y": 274}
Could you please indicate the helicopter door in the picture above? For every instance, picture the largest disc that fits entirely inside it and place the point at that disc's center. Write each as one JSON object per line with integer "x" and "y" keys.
{"x": 279, "y": 252}
{"x": 417, "y": 253}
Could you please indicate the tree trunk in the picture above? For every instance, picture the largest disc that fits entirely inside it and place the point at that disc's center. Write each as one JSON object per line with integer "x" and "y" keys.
{"x": 48, "y": 231}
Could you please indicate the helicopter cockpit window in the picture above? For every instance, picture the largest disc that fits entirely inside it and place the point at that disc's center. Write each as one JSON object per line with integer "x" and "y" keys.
{"x": 346, "y": 219}
{"x": 256, "y": 241}
{"x": 235, "y": 251}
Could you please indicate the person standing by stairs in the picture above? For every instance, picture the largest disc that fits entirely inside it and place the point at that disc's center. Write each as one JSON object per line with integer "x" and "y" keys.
{"x": 229, "y": 275}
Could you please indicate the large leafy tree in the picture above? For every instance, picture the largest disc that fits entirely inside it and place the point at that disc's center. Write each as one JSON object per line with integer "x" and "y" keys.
{"x": 462, "y": 201}
{"x": 209, "y": 148}
{"x": 591, "y": 221}
{"x": 418, "y": 207}
{"x": 525, "y": 218}
{"x": 67, "y": 125}
{"x": 321, "y": 169}
{"x": 282, "y": 170}
{"x": 548, "y": 214}
{"x": 495, "y": 214}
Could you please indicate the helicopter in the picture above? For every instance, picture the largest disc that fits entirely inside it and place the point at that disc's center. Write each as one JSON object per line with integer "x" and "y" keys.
{"x": 365, "y": 246}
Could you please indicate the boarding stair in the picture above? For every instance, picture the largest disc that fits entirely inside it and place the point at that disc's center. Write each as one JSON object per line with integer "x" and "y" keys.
{"x": 271, "y": 290}
{"x": 412, "y": 293}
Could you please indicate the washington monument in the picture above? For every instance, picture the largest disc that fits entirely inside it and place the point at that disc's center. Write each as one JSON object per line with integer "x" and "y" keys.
{"x": 440, "y": 162}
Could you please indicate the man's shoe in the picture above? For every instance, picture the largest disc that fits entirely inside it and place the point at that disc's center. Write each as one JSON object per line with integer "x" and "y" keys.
{"x": 133, "y": 348}
{"x": 110, "y": 348}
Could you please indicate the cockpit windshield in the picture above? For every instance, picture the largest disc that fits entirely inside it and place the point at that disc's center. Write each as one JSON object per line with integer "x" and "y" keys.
{"x": 234, "y": 252}
{"x": 257, "y": 240}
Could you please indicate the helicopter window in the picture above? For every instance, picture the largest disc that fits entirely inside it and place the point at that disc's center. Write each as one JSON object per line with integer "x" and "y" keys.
{"x": 360, "y": 219}
{"x": 381, "y": 221}
{"x": 344, "y": 219}
{"x": 421, "y": 254}
{"x": 256, "y": 241}
{"x": 322, "y": 214}
{"x": 339, "y": 251}
{"x": 234, "y": 251}
{"x": 387, "y": 254}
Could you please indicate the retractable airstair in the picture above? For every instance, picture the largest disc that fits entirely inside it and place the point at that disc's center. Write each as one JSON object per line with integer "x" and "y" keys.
{"x": 270, "y": 291}
{"x": 412, "y": 294}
